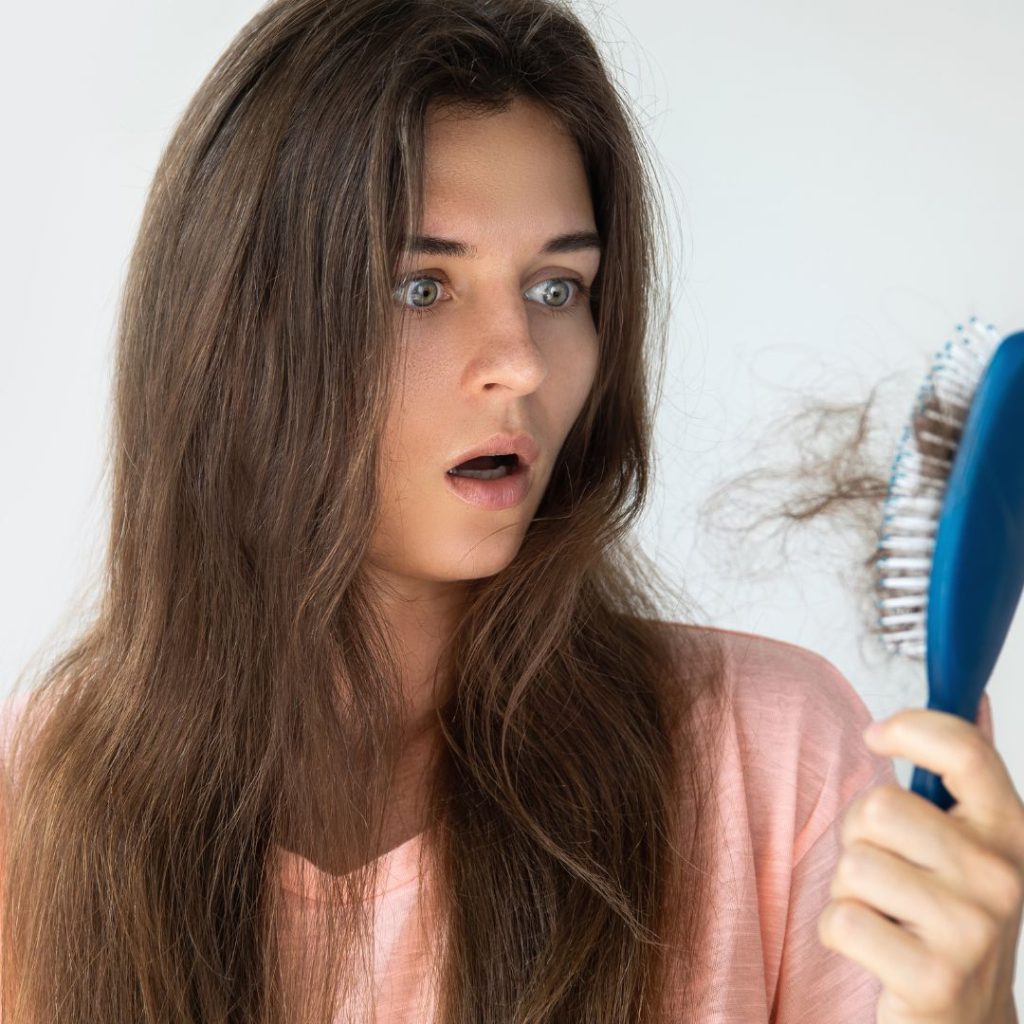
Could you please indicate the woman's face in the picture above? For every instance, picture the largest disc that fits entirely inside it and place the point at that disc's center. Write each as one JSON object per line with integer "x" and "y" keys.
{"x": 508, "y": 344}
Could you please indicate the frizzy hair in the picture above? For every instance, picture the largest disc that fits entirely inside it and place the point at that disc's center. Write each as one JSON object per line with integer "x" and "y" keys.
{"x": 235, "y": 687}
{"x": 836, "y": 485}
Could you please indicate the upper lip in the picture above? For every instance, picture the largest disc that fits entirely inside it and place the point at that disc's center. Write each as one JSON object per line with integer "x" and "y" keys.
{"x": 523, "y": 445}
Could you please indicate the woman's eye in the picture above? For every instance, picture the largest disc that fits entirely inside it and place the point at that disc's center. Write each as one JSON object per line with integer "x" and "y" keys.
{"x": 566, "y": 298}
{"x": 419, "y": 292}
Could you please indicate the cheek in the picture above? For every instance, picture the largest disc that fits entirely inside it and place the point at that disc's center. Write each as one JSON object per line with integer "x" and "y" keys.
{"x": 429, "y": 368}
{"x": 576, "y": 371}
{"x": 394, "y": 453}
{"x": 414, "y": 440}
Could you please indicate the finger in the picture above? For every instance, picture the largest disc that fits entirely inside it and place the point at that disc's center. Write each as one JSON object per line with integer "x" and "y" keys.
{"x": 970, "y": 767}
{"x": 926, "y": 839}
{"x": 899, "y": 959}
{"x": 921, "y": 901}
{"x": 983, "y": 718}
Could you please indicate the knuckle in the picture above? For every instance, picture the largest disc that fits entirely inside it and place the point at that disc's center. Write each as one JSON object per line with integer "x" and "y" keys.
{"x": 879, "y": 804}
{"x": 975, "y": 754}
{"x": 854, "y": 863}
{"x": 942, "y": 980}
{"x": 978, "y": 931}
{"x": 1018, "y": 832}
{"x": 946, "y": 983}
{"x": 842, "y": 918}
{"x": 1008, "y": 885}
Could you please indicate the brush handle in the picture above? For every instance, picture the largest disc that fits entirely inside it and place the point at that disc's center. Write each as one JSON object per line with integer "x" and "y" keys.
{"x": 929, "y": 785}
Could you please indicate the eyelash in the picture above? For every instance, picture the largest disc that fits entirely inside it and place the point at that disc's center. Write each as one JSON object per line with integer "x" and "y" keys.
{"x": 581, "y": 294}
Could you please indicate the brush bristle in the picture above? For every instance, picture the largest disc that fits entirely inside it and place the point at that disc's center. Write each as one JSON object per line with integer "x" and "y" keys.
{"x": 917, "y": 484}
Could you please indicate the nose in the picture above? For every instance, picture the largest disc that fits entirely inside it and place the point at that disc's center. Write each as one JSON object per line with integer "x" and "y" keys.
{"x": 503, "y": 347}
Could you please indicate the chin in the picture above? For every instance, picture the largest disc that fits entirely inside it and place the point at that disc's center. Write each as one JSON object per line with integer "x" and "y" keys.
{"x": 486, "y": 557}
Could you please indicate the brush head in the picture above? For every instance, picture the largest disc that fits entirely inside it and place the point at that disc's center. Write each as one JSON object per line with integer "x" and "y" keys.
{"x": 917, "y": 485}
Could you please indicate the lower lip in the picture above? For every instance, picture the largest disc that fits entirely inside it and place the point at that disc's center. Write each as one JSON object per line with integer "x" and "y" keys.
{"x": 505, "y": 492}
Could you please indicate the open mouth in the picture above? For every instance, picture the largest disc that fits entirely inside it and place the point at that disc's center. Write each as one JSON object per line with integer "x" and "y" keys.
{"x": 489, "y": 467}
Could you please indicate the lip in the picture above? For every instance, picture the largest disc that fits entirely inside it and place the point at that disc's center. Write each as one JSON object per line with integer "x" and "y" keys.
{"x": 501, "y": 444}
{"x": 504, "y": 492}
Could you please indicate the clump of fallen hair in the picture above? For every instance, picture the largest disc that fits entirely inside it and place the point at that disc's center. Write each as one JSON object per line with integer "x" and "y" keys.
{"x": 837, "y": 483}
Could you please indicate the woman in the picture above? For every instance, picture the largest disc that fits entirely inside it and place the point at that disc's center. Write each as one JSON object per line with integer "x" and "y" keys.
{"x": 339, "y": 741}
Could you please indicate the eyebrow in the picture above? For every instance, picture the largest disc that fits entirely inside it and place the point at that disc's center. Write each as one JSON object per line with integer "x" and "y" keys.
{"x": 431, "y": 245}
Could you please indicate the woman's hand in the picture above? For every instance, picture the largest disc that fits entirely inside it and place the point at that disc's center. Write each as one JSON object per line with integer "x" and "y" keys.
{"x": 930, "y": 901}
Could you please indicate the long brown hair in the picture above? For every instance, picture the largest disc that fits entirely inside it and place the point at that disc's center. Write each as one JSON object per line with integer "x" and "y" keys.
{"x": 236, "y": 659}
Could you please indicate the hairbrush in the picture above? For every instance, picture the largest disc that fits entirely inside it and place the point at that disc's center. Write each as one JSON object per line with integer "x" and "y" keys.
{"x": 949, "y": 569}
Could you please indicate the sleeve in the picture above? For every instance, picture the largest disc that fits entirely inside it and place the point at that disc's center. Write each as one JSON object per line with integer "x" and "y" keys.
{"x": 817, "y": 985}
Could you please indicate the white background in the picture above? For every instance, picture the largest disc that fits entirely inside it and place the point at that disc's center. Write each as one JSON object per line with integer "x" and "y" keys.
{"x": 843, "y": 184}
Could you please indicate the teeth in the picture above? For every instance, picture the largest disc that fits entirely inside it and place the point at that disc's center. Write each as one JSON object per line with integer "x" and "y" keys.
{"x": 482, "y": 474}
{"x": 497, "y": 460}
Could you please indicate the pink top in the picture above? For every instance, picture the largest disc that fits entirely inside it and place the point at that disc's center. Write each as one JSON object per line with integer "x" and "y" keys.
{"x": 793, "y": 761}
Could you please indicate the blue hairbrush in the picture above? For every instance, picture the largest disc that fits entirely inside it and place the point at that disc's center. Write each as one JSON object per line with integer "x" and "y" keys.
{"x": 950, "y": 564}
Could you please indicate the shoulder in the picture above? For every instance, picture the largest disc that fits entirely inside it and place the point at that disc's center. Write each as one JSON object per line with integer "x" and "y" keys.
{"x": 793, "y": 690}
{"x": 792, "y": 752}
{"x": 783, "y": 684}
